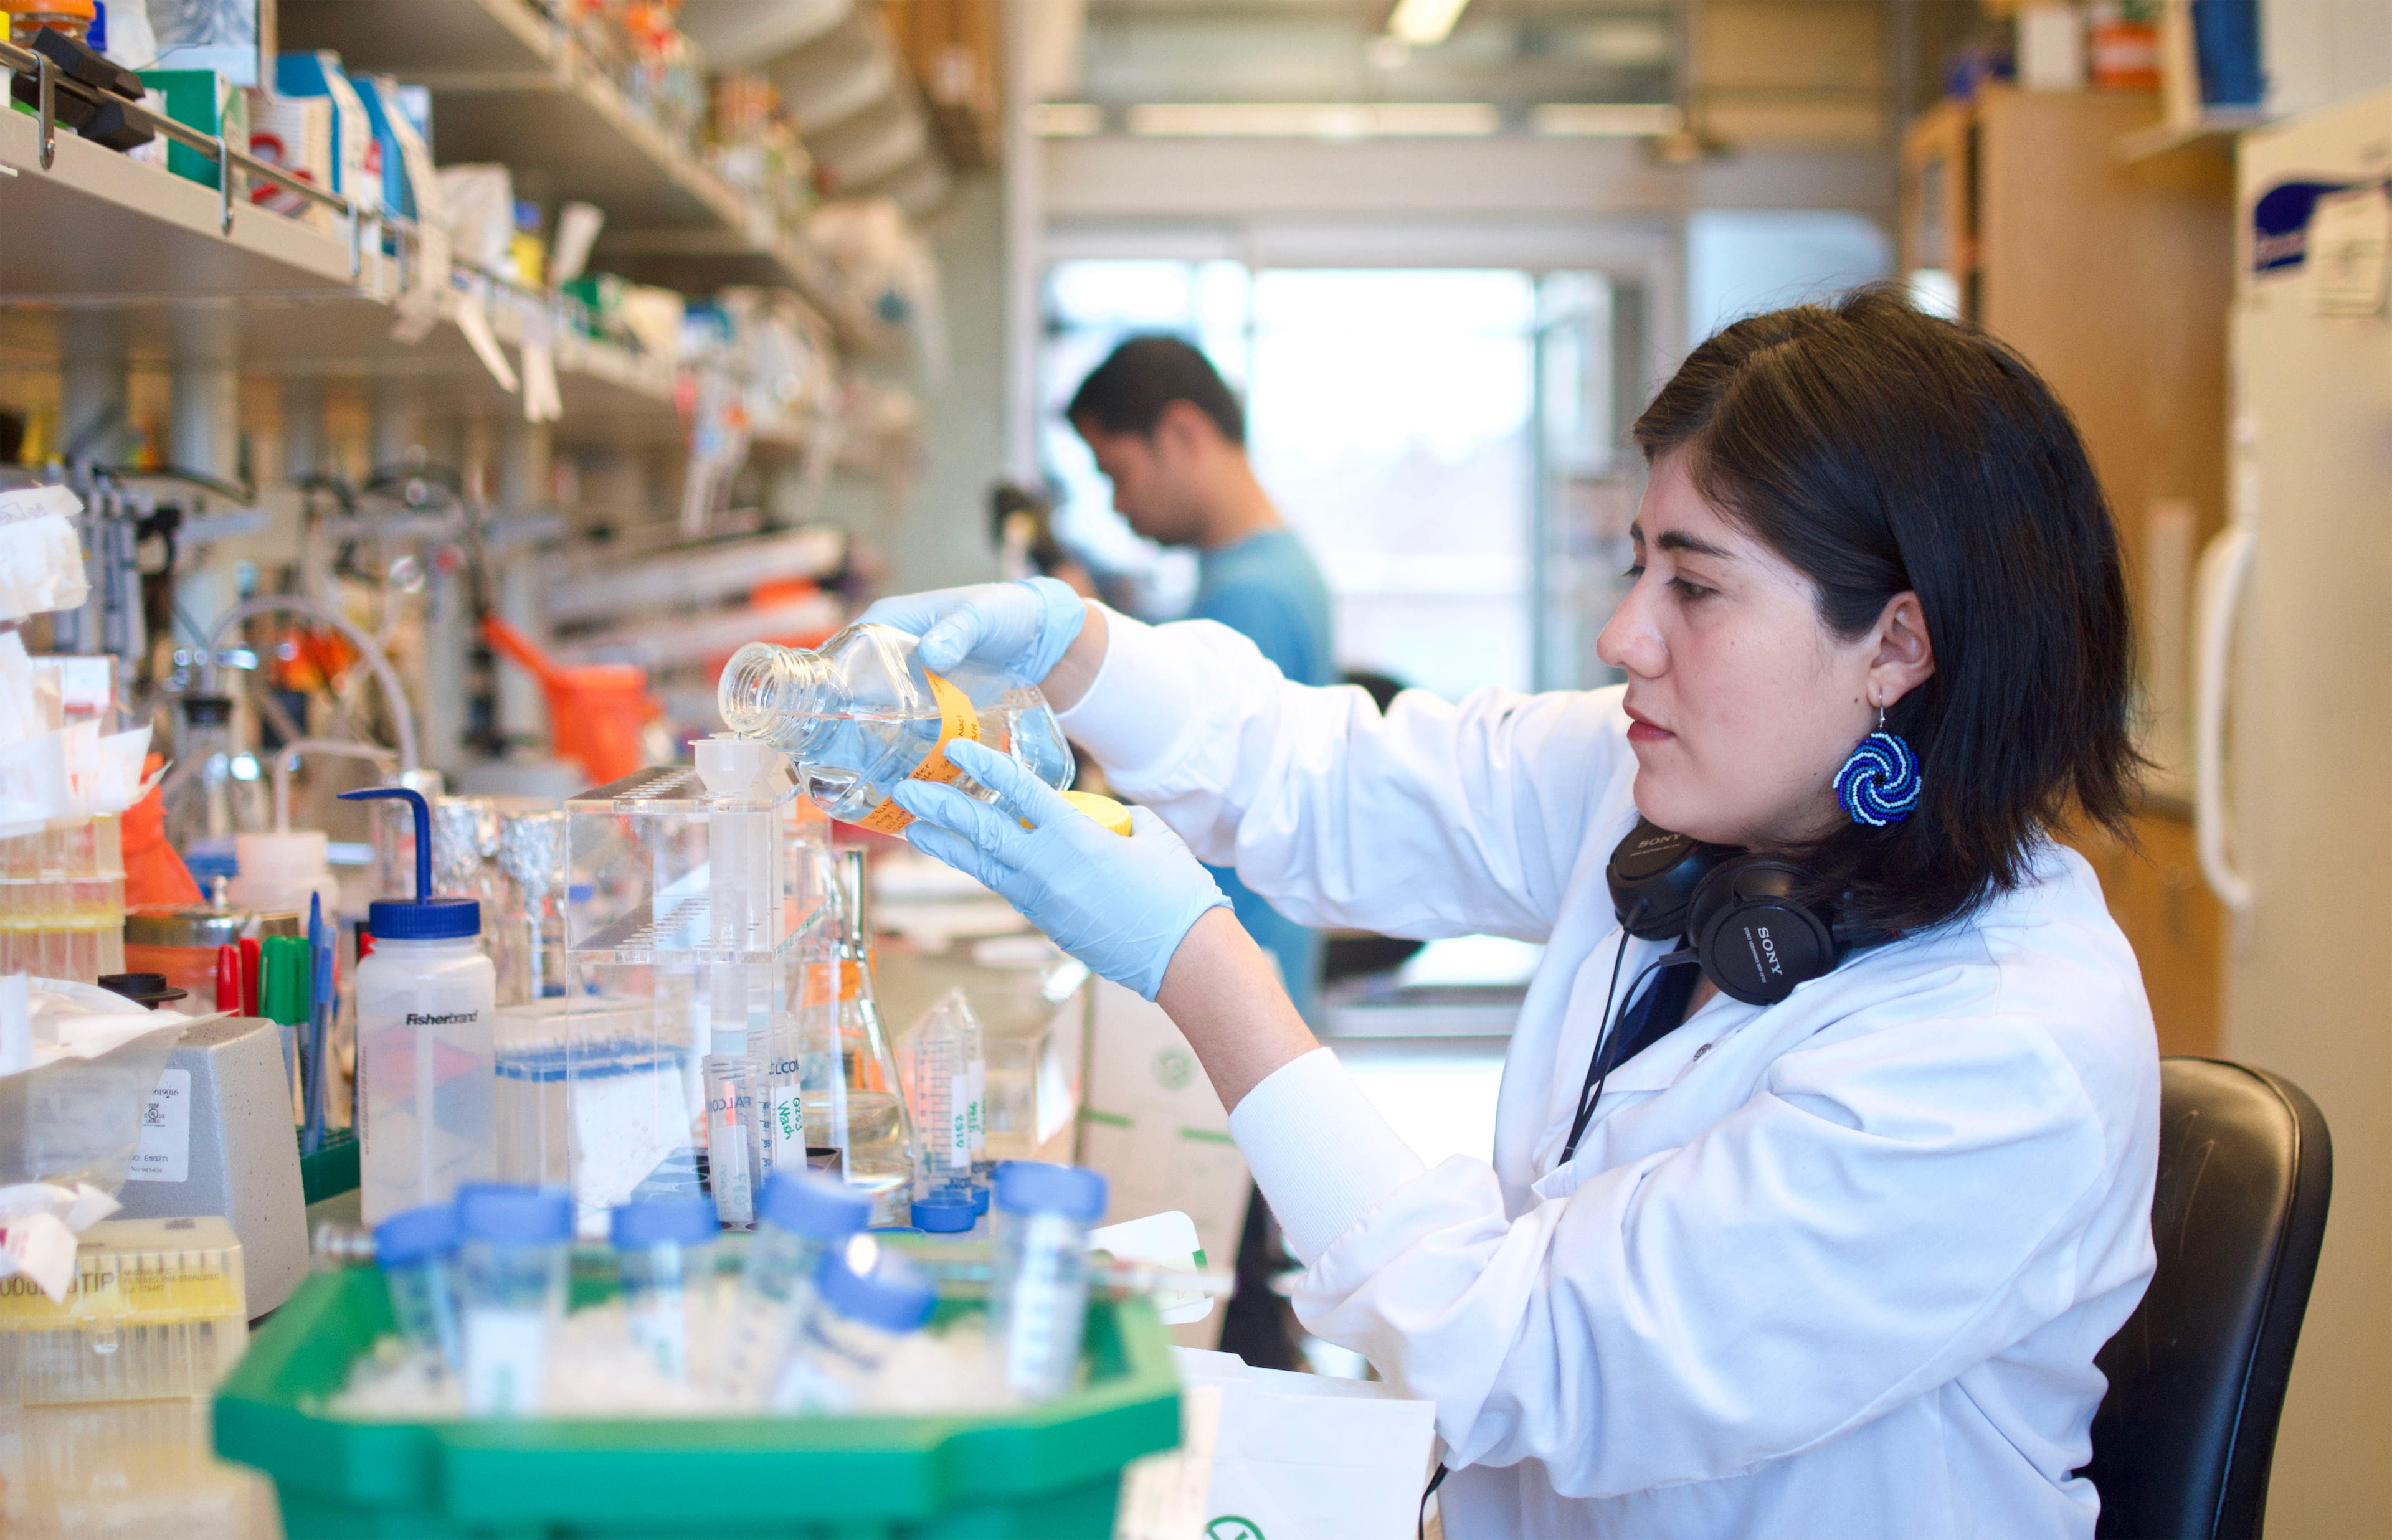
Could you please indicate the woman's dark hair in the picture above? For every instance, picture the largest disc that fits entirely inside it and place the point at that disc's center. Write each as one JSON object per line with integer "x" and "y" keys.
{"x": 1880, "y": 451}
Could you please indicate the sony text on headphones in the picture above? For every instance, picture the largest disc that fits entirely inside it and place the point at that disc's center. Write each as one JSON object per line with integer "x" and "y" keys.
{"x": 1737, "y": 911}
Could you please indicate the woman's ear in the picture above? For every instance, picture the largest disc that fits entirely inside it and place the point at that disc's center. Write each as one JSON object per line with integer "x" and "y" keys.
{"x": 1906, "y": 658}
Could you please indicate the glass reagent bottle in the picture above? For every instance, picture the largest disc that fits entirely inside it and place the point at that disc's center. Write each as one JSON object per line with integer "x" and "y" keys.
{"x": 860, "y": 715}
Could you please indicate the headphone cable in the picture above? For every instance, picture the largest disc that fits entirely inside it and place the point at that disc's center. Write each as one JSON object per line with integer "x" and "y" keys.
{"x": 1600, "y": 1067}
{"x": 1610, "y": 997}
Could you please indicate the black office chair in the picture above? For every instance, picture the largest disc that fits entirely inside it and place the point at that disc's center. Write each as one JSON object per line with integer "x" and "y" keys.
{"x": 2183, "y": 1440}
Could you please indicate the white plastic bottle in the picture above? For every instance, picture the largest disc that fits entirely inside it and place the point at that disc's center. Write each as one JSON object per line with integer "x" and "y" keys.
{"x": 425, "y": 1002}
{"x": 281, "y": 870}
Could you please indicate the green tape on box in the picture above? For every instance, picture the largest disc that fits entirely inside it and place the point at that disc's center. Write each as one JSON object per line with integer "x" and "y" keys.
{"x": 207, "y": 101}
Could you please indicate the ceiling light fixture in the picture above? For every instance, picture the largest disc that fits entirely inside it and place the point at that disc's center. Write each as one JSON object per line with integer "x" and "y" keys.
{"x": 1066, "y": 120}
{"x": 1606, "y": 120}
{"x": 1315, "y": 120}
{"x": 1424, "y": 23}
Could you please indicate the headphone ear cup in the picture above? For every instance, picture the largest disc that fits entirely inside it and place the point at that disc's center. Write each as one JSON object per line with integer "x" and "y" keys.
{"x": 1755, "y": 939}
{"x": 1653, "y": 874}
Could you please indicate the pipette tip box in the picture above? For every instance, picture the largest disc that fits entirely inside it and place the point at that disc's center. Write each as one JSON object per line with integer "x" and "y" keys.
{"x": 157, "y": 1309}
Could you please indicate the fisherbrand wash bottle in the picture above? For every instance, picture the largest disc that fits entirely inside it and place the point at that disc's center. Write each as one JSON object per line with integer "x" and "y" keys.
{"x": 426, "y": 1075}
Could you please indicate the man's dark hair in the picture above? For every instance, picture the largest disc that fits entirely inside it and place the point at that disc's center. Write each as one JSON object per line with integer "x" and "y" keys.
{"x": 1128, "y": 392}
{"x": 1880, "y": 451}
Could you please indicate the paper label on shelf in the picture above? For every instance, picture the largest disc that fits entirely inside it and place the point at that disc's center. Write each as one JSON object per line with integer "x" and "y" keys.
{"x": 541, "y": 403}
{"x": 956, "y": 719}
{"x": 2350, "y": 243}
{"x": 164, "y": 1153}
{"x": 475, "y": 322}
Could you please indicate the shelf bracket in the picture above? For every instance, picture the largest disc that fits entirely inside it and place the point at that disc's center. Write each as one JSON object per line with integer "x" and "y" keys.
{"x": 46, "y": 93}
{"x": 223, "y": 183}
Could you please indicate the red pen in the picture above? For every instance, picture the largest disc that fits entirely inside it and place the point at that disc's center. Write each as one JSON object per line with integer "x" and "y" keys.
{"x": 249, "y": 970}
{"x": 229, "y": 979}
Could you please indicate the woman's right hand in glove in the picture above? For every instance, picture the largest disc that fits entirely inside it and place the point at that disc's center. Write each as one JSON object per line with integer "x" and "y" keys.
{"x": 1021, "y": 628}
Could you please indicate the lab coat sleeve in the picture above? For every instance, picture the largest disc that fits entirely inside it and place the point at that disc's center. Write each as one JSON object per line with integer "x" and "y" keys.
{"x": 1889, "y": 1211}
{"x": 1434, "y": 820}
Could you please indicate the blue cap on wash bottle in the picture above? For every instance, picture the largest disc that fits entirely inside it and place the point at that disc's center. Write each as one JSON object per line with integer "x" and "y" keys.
{"x": 423, "y": 917}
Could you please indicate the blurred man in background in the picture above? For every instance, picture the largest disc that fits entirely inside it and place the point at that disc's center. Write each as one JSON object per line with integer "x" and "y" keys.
{"x": 1170, "y": 436}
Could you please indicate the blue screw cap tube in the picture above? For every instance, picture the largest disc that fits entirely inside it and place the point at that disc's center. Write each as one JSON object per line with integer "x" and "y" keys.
{"x": 417, "y": 1249}
{"x": 804, "y": 1219}
{"x": 1039, "y": 1303}
{"x": 513, "y": 1243}
{"x": 869, "y": 1301}
{"x": 664, "y": 1250}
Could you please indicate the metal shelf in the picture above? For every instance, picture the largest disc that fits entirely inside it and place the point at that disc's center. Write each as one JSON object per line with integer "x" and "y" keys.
{"x": 607, "y": 394}
{"x": 99, "y": 223}
{"x": 510, "y": 86}
{"x": 2217, "y": 126}
{"x": 115, "y": 233}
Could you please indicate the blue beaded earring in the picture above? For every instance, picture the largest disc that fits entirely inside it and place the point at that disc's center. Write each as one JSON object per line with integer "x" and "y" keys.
{"x": 1880, "y": 784}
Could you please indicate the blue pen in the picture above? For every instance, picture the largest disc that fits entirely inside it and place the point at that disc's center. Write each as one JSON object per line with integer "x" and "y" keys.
{"x": 319, "y": 1019}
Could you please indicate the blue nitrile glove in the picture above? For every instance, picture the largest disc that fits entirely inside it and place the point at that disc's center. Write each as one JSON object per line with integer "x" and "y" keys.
{"x": 1119, "y": 905}
{"x": 1022, "y": 627}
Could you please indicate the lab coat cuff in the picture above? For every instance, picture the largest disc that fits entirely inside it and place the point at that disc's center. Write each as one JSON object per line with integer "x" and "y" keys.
{"x": 1141, "y": 705}
{"x": 1320, "y": 1152}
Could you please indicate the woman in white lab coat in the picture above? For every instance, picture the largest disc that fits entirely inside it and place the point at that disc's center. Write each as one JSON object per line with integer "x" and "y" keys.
{"x": 1833, "y": 1266}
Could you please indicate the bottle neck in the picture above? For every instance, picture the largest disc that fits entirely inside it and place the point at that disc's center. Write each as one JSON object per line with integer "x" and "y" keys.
{"x": 776, "y": 693}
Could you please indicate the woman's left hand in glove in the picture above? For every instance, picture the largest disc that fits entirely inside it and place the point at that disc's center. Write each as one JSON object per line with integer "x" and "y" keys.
{"x": 1120, "y": 905}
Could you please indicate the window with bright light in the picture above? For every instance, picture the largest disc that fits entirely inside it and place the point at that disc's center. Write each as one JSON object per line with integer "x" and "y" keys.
{"x": 1389, "y": 415}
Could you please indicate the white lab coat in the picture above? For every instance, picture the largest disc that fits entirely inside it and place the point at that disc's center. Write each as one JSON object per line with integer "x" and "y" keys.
{"x": 1837, "y": 1267}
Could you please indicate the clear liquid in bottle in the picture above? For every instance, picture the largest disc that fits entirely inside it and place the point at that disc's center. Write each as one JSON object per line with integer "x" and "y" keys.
{"x": 860, "y": 715}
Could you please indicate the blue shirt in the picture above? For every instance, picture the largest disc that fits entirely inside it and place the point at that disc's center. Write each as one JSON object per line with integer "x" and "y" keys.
{"x": 1266, "y": 589}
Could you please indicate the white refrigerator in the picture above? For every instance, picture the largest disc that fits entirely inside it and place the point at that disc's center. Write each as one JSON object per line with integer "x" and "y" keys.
{"x": 2293, "y": 754}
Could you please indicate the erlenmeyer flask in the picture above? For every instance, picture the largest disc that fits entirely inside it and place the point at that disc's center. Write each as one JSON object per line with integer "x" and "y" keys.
{"x": 852, "y": 1106}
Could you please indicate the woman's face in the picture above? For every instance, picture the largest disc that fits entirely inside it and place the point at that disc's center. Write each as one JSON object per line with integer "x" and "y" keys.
{"x": 1742, "y": 704}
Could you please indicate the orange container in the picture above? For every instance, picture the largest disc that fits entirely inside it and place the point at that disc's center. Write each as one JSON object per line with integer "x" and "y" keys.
{"x": 596, "y": 711}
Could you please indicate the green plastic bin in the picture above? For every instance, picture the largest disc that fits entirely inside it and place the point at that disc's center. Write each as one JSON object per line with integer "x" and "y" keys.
{"x": 333, "y": 1170}
{"x": 1046, "y": 1472}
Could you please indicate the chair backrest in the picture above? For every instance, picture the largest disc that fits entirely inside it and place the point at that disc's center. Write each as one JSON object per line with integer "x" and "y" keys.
{"x": 2183, "y": 1440}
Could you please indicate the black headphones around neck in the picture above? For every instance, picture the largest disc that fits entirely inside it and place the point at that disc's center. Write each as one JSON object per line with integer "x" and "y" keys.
{"x": 1738, "y": 912}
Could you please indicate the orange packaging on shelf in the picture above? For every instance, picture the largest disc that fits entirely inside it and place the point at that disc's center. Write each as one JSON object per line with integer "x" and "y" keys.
{"x": 2125, "y": 55}
{"x": 155, "y": 876}
{"x": 773, "y": 603}
{"x": 596, "y": 711}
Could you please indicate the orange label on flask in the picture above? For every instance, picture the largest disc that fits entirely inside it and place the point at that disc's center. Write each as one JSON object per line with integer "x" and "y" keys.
{"x": 956, "y": 719}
